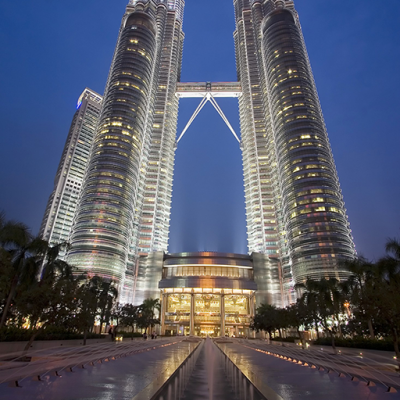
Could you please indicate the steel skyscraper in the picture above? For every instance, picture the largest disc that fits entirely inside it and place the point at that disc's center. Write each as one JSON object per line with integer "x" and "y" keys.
{"x": 62, "y": 203}
{"x": 294, "y": 205}
{"x": 297, "y": 226}
{"x": 125, "y": 204}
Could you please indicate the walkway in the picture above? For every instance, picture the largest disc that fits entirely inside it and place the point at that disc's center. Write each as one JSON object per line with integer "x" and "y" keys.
{"x": 127, "y": 368}
{"x": 119, "y": 379}
{"x": 292, "y": 381}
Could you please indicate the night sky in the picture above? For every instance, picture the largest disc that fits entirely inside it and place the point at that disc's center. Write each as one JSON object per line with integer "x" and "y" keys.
{"x": 52, "y": 50}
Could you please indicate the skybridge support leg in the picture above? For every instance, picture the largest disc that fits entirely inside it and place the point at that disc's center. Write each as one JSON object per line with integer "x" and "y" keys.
{"x": 192, "y": 118}
{"x": 208, "y": 97}
{"x": 220, "y": 112}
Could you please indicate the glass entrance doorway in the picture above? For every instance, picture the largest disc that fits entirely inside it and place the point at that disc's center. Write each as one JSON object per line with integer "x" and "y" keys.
{"x": 207, "y": 330}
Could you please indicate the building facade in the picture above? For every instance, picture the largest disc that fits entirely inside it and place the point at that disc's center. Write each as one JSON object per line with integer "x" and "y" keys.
{"x": 297, "y": 226}
{"x": 294, "y": 204}
{"x": 62, "y": 203}
{"x": 207, "y": 294}
{"x": 124, "y": 209}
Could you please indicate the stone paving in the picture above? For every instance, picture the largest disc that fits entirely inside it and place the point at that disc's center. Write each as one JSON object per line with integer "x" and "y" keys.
{"x": 19, "y": 365}
{"x": 296, "y": 382}
{"x": 125, "y": 377}
{"x": 119, "y": 379}
{"x": 368, "y": 365}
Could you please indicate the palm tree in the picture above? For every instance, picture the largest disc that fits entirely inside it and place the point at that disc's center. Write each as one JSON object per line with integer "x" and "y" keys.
{"x": 97, "y": 298}
{"x": 299, "y": 315}
{"x": 23, "y": 254}
{"x": 393, "y": 247}
{"x": 130, "y": 315}
{"x": 325, "y": 299}
{"x": 87, "y": 305}
{"x": 51, "y": 298}
{"x": 147, "y": 312}
{"x": 107, "y": 297}
{"x": 358, "y": 286}
{"x": 387, "y": 291}
{"x": 52, "y": 266}
{"x": 49, "y": 302}
{"x": 309, "y": 297}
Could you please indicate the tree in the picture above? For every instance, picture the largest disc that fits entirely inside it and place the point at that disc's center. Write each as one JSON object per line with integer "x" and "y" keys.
{"x": 130, "y": 315}
{"x": 52, "y": 266}
{"x": 86, "y": 305}
{"x": 266, "y": 319}
{"x": 22, "y": 255}
{"x": 116, "y": 315}
{"x": 147, "y": 313}
{"x": 107, "y": 297}
{"x": 358, "y": 288}
{"x": 309, "y": 299}
{"x": 106, "y": 294}
{"x": 386, "y": 295}
{"x": 298, "y": 316}
{"x": 49, "y": 302}
{"x": 327, "y": 302}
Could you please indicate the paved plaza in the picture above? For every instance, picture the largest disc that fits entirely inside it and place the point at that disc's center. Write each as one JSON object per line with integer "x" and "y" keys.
{"x": 120, "y": 379}
{"x": 291, "y": 381}
{"x": 137, "y": 364}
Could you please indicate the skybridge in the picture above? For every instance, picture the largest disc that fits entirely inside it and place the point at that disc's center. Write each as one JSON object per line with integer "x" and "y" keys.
{"x": 215, "y": 89}
{"x": 208, "y": 91}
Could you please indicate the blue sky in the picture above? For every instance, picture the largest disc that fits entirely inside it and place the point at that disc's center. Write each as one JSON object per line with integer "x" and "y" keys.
{"x": 52, "y": 50}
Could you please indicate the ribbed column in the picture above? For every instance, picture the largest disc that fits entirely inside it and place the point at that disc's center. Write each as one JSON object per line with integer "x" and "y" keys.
{"x": 192, "y": 305}
{"x": 164, "y": 302}
{"x": 252, "y": 311}
{"x": 222, "y": 312}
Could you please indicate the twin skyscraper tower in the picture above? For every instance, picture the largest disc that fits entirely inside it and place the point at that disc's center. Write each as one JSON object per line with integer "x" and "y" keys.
{"x": 112, "y": 195}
